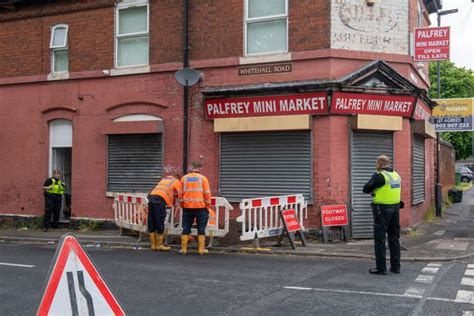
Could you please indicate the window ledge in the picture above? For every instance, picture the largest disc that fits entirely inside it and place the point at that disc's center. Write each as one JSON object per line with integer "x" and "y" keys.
{"x": 129, "y": 70}
{"x": 58, "y": 76}
{"x": 268, "y": 58}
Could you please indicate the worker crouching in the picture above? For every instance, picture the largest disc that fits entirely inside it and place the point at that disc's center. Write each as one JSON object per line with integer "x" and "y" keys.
{"x": 162, "y": 196}
{"x": 196, "y": 199}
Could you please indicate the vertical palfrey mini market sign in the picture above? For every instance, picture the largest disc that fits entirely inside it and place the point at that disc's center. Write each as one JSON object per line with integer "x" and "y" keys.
{"x": 375, "y": 104}
{"x": 431, "y": 43}
{"x": 293, "y": 104}
{"x": 453, "y": 115}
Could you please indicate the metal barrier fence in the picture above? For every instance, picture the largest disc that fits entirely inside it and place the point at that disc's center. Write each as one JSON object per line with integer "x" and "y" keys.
{"x": 131, "y": 212}
{"x": 260, "y": 216}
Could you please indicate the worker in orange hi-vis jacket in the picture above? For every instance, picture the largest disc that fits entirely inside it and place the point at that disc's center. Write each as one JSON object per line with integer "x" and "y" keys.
{"x": 195, "y": 201}
{"x": 162, "y": 196}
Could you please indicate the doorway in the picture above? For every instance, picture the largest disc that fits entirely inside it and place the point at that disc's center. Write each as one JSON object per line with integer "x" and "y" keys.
{"x": 60, "y": 157}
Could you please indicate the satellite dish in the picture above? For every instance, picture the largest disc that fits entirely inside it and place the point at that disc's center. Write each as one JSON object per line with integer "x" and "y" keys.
{"x": 187, "y": 77}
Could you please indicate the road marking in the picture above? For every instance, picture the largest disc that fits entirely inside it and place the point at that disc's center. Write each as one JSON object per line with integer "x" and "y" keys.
{"x": 432, "y": 264}
{"x": 470, "y": 266}
{"x": 424, "y": 278}
{"x": 439, "y": 232}
{"x": 441, "y": 299}
{"x": 297, "y": 288}
{"x": 353, "y": 292}
{"x": 414, "y": 291}
{"x": 16, "y": 265}
{"x": 430, "y": 270}
{"x": 469, "y": 272}
{"x": 465, "y": 297}
{"x": 467, "y": 313}
{"x": 467, "y": 281}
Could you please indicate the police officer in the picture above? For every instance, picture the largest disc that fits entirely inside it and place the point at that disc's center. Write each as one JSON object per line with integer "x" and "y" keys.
{"x": 195, "y": 201}
{"x": 162, "y": 196}
{"x": 54, "y": 189}
{"x": 385, "y": 187}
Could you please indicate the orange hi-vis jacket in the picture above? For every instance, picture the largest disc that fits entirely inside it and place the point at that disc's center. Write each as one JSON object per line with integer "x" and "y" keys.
{"x": 196, "y": 191}
{"x": 168, "y": 188}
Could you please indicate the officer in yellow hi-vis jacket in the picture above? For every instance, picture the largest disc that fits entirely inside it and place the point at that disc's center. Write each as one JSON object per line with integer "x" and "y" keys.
{"x": 385, "y": 187}
{"x": 53, "y": 189}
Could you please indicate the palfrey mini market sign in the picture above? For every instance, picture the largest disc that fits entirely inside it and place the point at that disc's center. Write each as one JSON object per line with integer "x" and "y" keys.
{"x": 301, "y": 103}
{"x": 311, "y": 103}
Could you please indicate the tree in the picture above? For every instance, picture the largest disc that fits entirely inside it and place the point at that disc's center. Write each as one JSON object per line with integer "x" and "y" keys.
{"x": 455, "y": 82}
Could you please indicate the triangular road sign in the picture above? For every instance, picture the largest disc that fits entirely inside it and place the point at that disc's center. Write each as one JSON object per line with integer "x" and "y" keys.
{"x": 75, "y": 286}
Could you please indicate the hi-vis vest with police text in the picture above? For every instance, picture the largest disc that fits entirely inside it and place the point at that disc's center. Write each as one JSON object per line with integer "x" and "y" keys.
{"x": 167, "y": 188}
{"x": 389, "y": 193}
{"x": 57, "y": 187}
{"x": 196, "y": 191}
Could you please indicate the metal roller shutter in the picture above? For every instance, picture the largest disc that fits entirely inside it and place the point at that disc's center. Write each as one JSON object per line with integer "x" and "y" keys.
{"x": 134, "y": 162}
{"x": 418, "y": 195}
{"x": 265, "y": 164}
{"x": 366, "y": 147}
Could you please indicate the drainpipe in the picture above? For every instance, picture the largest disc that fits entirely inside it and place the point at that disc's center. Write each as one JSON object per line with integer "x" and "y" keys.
{"x": 185, "y": 87}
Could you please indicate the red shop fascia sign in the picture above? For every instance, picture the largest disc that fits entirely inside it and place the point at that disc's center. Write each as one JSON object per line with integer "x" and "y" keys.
{"x": 316, "y": 103}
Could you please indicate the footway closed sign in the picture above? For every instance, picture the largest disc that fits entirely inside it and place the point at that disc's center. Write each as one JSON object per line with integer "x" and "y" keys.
{"x": 334, "y": 215}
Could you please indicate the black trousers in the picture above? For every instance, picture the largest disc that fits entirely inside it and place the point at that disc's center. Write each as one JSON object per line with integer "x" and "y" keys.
{"x": 52, "y": 207}
{"x": 156, "y": 214}
{"x": 387, "y": 222}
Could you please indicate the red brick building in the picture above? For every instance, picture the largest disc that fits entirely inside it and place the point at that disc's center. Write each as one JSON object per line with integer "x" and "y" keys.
{"x": 315, "y": 90}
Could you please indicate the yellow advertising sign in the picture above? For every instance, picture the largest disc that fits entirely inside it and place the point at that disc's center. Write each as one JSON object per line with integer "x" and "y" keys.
{"x": 453, "y": 114}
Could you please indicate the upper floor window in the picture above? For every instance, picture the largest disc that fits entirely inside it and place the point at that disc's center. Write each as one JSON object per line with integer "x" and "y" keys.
{"x": 59, "y": 49}
{"x": 132, "y": 34}
{"x": 266, "y": 26}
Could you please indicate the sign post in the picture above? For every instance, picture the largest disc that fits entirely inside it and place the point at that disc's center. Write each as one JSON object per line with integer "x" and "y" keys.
{"x": 334, "y": 216}
{"x": 291, "y": 227}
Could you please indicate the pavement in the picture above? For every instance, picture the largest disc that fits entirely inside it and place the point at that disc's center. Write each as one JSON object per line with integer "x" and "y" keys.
{"x": 446, "y": 238}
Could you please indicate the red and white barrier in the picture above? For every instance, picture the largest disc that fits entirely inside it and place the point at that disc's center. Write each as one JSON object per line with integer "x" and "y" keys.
{"x": 260, "y": 216}
{"x": 131, "y": 212}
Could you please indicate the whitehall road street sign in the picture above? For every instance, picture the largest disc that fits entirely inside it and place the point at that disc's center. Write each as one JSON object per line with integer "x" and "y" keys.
{"x": 432, "y": 43}
{"x": 75, "y": 286}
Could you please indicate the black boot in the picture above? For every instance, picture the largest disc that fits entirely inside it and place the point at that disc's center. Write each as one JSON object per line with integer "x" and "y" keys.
{"x": 377, "y": 271}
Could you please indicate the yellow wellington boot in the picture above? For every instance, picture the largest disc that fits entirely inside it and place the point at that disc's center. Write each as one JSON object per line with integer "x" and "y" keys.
{"x": 159, "y": 243}
{"x": 201, "y": 245}
{"x": 153, "y": 241}
{"x": 184, "y": 244}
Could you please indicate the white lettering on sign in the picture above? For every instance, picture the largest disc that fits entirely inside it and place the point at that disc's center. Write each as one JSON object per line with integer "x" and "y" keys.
{"x": 278, "y": 105}
{"x": 350, "y": 104}
{"x": 302, "y": 104}
{"x": 429, "y": 33}
{"x": 396, "y": 106}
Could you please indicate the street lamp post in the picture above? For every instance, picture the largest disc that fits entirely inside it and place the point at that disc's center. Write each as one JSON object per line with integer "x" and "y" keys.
{"x": 438, "y": 192}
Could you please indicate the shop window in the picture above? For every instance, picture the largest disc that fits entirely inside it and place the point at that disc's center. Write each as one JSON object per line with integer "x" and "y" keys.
{"x": 266, "y": 26}
{"x": 265, "y": 164}
{"x": 418, "y": 179}
{"x": 134, "y": 162}
{"x": 132, "y": 34}
{"x": 59, "y": 48}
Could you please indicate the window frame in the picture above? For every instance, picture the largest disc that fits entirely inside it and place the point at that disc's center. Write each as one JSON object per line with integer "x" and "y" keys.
{"x": 58, "y": 48}
{"x": 125, "y": 6}
{"x": 267, "y": 18}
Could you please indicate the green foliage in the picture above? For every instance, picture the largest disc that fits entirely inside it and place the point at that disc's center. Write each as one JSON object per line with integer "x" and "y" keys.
{"x": 461, "y": 141}
{"x": 455, "y": 82}
{"x": 89, "y": 225}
